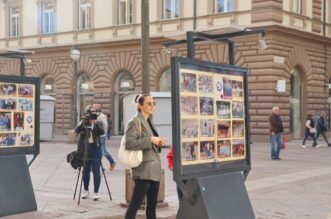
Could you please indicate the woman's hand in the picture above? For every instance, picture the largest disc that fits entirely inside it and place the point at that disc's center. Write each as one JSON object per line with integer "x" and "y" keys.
{"x": 158, "y": 141}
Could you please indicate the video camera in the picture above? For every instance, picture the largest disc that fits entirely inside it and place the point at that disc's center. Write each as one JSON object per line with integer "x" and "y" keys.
{"x": 90, "y": 115}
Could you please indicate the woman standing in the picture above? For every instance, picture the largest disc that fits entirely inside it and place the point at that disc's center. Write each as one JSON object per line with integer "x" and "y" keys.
{"x": 141, "y": 135}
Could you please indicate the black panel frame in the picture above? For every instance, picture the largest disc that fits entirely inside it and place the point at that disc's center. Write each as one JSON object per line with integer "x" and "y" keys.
{"x": 35, "y": 148}
{"x": 183, "y": 172}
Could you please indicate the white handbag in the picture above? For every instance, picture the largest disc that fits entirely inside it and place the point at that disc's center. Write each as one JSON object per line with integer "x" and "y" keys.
{"x": 130, "y": 158}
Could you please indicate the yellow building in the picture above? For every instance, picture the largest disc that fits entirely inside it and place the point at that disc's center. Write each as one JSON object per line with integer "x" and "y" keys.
{"x": 107, "y": 34}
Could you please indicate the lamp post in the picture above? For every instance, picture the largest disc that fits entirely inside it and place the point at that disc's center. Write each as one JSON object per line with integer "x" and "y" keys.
{"x": 75, "y": 56}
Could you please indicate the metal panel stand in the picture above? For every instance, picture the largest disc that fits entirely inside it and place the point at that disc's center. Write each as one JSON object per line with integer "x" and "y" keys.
{"x": 16, "y": 191}
{"x": 221, "y": 196}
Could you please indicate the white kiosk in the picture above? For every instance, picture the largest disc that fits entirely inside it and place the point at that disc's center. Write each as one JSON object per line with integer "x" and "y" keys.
{"x": 47, "y": 106}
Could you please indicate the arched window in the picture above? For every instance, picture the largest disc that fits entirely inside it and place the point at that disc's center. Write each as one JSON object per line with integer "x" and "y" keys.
{"x": 85, "y": 93}
{"x": 124, "y": 85}
{"x": 47, "y": 86}
{"x": 85, "y": 85}
{"x": 125, "y": 82}
{"x": 165, "y": 81}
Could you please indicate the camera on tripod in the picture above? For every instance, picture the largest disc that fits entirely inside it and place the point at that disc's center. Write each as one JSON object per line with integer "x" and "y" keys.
{"x": 90, "y": 115}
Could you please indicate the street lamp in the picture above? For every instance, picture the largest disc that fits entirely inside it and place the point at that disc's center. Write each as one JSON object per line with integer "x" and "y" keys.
{"x": 75, "y": 56}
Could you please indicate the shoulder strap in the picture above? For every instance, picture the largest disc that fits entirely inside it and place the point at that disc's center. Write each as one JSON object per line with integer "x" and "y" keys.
{"x": 139, "y": 125}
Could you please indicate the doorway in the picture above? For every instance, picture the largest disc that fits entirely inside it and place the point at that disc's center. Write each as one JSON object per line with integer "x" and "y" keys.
{"x": 296, "y": 104}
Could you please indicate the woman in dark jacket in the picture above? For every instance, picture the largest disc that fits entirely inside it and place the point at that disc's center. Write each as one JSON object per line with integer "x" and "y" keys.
{"x": 141, "y": 135}
{"x": 90, "y": 132}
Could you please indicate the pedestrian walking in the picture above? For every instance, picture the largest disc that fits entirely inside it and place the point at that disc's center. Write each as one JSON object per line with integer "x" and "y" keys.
{"x": 276, "y": 130}
{"x": 109, "y": 126}
{"x": 142, "y": 135}
{"x": 103, "y": 118}
{"x": 310, "y": 130}
{"x": 321, "y": 128}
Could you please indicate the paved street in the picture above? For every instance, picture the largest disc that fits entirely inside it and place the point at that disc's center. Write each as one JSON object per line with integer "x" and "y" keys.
{"x": 298, "y": 186}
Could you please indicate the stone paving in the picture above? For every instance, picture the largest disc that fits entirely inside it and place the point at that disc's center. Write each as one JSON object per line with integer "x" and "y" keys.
{"x": 298, "y": 186}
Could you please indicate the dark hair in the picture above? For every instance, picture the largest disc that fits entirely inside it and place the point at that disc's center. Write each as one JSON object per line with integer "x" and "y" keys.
{"x": 139, "y": 100}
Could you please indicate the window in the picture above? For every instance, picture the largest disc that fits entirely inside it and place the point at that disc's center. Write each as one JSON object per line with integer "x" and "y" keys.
{"x": 48, "y": 86}
{"x": 297, "y": 6}
{"x": 165, "y": 81}
{"x": 222, "y": 6}
{"x": 170, "y": 9}
{"x": 14, "y": 21}
{"x": 125, "y": 12}
{"x": 85, "y": 84}
{"x": 126, "y": 82}
{"x": 47, "y": 17}
{"x": 84, "y": 14}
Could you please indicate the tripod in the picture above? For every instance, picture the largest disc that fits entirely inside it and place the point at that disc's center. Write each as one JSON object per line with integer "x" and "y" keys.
{"x": 83, "y": 146}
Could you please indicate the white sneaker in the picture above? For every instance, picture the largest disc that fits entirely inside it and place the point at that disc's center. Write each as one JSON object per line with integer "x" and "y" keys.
{"x": 96, "y": 196}
{"x": 85, "y": 194}
{"x": 303, "y": 146}
{"x": 319, "y": 146}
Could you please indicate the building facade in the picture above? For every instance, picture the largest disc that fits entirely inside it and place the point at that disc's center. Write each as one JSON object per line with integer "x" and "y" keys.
{"x": 107, "y": 34}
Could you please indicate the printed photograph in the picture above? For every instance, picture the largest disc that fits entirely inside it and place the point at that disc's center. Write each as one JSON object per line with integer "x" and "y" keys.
{"x": 5, "y": 121}
{"x": 25, "y": 90}
{"x": 25, "y": 104}
{"x": 237, "y": 109}
{"x": 227, "y": 88}
{"x": 189, "y": 128}
{"x": 25, "y": 139}
{"x": 18, "y": 121}
{"x": 223, "y": 148}
{"x": 237, "y": 88}
{"x": 207, "y": 128}
{"x": 28, "y": 121}
{"x": 7, "y": 139}
{"x": 238, "y": 128}
{"x": 223, "y": 109}
{"x": 219, "y": 88}
{"x": 188, "y": 82}
{"x": 206, "y": 106}
{"x": 224, "y": 129}
{"x": 207, "y": 150}
{"x": 189, "y": 151}
{"x": 189, "y": 105}
{"x": 7, "y": 103}
{"x": 8, "y": 89}
{"x": 238, "y": 148}
{"x": 205, "y": 84}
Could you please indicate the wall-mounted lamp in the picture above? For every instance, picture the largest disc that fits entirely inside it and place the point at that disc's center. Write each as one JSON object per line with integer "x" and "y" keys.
{"x": 166, "y": 50}
{"x": 261, "y": 43}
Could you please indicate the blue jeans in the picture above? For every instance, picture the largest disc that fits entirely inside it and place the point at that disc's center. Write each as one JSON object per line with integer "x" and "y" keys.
{"x": 108, "y": 133}
{"x": 305, "y": 137}
{"x": 92, "y": 162}
{"x": 276, "y": 145}
{"x": 104, "y": 150}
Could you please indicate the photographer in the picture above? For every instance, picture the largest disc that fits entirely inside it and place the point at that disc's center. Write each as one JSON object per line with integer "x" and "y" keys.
{"x": 103, "y": 118}
{"x": 90, "y": 131}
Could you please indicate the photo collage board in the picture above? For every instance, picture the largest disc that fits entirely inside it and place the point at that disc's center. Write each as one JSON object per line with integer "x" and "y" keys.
{"x": 212, "y": 117}
{"x": 17, "y": 114}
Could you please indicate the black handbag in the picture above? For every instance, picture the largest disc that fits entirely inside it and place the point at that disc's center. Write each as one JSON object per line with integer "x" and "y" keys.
{"x": 75, "y": 159}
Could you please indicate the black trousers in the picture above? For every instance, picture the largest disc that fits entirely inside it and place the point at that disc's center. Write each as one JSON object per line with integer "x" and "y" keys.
{"x": 325, "y": 138}
{"x": 142, "y": 188}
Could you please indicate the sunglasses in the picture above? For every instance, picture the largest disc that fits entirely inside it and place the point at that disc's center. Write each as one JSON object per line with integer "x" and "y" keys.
{"x": 151, "y": 103}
